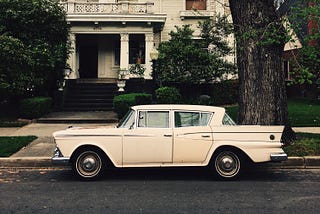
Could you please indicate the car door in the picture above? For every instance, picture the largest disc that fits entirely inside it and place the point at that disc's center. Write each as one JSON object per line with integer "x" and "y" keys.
{"x": 150, "y": 141}
{"x": 192, "y": 136}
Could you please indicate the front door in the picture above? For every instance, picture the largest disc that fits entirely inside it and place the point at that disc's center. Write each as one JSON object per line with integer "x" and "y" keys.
{"x": 88, "y": 65}
{"x": 150, "y": 142}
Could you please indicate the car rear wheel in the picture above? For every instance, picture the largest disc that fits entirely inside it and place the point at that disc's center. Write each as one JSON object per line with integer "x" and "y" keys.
{"x": 88, "y": 164}
{"x": 227, "y": 165}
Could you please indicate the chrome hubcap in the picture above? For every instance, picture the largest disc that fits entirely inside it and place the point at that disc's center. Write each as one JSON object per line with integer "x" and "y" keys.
{"x": 88, "y": 164}
{"x": 227, "y": 164}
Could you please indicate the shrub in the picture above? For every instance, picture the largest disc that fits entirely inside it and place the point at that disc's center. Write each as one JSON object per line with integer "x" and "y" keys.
{"x": 123, "y": 102}
{"x": 168, "y": 95}
{"x": 35, "y": 107}
{"x": 225, "y": 93}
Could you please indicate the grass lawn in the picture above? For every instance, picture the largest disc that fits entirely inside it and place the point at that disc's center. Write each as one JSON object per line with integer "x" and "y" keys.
{"x": 10, "y": 145}
{"x": 306, "y": 145}
{"x": 302, "y": 112}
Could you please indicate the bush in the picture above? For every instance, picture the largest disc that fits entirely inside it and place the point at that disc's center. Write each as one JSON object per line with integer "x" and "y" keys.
{"x": 221, "y": 93}
{"x": 225, "y": 93}
{"x": 35, "y": 107}
{"x": 168, "y": 95}
{"x": 122, "y": 103}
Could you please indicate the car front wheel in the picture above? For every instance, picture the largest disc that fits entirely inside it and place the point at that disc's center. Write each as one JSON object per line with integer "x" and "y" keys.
{"x": 227, "y": 165}
{"x": 88, "y": 164}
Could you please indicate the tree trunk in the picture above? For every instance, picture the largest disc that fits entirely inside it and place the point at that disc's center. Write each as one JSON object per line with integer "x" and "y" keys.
{"x": 263, "y": 99}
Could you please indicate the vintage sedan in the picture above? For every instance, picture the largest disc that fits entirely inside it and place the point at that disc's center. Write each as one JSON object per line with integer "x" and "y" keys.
{"x": 169, "y": 136}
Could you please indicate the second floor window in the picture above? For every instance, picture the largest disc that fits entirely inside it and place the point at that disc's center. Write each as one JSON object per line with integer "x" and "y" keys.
{"x": 196, "y": 4}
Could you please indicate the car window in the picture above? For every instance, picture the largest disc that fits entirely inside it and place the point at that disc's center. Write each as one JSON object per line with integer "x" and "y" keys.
{"x": 153, "y": 119}
{"x": 227, "y": 121}
{"x": 184, "y": 119}
{"x": 128, "y": 120}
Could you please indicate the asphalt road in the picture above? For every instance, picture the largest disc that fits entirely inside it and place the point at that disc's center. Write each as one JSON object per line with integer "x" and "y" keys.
{"x": 159, "y": 191}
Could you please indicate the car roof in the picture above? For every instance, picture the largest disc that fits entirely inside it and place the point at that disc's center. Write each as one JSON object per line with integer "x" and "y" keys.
{"x": 179, "y": 107}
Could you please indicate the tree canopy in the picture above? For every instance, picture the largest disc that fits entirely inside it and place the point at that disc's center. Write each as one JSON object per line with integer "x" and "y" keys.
{"x": 303, "y": 17}
{"x": 187, "y": 60}
{"x": 33, "y": 46}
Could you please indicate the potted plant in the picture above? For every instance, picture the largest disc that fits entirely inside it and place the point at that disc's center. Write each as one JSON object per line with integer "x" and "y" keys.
{"x": 121, "y": 82}
{"x": 137, "y": 69}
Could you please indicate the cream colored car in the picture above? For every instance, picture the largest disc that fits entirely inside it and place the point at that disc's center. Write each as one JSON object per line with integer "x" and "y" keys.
{"x": 169, "y": 136}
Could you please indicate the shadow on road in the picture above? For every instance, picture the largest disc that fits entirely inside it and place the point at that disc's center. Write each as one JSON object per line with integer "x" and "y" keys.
{"x": 175, "y": 174}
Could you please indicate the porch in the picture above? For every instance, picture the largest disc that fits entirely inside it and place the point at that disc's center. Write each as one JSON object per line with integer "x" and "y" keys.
{"x": 107, "y": 36}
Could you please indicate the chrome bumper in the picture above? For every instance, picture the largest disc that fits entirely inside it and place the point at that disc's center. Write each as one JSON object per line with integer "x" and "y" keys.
{"x": 58, "y": 158}
{"x": 279, "y": 157}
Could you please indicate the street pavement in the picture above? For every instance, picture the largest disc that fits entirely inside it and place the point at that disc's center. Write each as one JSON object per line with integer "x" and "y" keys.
{"x": 39, "y": 152}
{"x": 187, "y": 190}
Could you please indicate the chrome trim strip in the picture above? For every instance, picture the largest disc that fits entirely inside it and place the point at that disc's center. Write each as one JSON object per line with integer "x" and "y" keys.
{"x": 58, "y": 158}
{"x": 60, "y": 161}
{"x": 89, "y": 135}
{"x": 138, "y": 135}
{"x": 278, "y": 157}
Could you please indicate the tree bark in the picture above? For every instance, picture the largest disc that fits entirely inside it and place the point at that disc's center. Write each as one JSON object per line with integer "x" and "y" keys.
{"x": 263, "y": 99}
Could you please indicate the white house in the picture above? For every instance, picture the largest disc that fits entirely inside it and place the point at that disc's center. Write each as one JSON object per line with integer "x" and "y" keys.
{"x": 109, "y": 35}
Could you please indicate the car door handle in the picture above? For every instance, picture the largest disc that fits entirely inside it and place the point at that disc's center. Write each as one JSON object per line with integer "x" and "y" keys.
{"x": 167, "y": 135}
{"x": 206, "y": 136}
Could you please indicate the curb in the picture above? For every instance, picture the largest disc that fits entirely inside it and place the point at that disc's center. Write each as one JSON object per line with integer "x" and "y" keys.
{"x": 307, "y": 162}
{"x": 34, "y": 162}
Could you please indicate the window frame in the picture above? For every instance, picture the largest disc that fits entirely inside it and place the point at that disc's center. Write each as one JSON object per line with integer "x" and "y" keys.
{"x": 156, "y": 110}
{"x": 190, "y": 111}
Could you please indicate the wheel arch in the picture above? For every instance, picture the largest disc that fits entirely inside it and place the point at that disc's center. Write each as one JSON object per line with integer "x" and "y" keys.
{"x": 244, "y": 156}
{"x": 107, "y": 160}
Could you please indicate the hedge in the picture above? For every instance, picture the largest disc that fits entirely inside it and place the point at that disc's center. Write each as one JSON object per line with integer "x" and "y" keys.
{"x": 123, "y": 102}
{"x": 168, "y": 95}
{"x": 35, "y": 107}
{"x": 221, "y": 93}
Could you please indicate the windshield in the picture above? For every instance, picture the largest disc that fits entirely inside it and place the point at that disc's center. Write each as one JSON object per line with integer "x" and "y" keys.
{"x": 128, "y": 120}
{"x": 227, "y": 121}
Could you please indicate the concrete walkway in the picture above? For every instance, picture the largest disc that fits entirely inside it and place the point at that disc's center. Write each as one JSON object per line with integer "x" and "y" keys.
{"x": 44, "y": 145}
{"x": 80, "y": 117}
{"x": 314, "y": 130}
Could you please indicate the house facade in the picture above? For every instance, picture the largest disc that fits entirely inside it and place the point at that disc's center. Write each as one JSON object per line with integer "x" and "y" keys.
{"x": 107, "y": 36}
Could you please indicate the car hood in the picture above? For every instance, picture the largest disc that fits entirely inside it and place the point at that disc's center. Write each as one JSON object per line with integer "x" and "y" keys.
{"x": 87, "y": 131}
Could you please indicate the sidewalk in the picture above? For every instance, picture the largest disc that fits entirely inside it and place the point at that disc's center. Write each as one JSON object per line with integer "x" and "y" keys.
{"x": 39, "y": 152}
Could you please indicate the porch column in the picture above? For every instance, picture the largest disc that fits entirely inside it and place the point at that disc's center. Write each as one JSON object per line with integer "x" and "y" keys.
{"x": 149, "y": 46}
{"x": 72, "y": 60}
{"x": 124, "y": 51}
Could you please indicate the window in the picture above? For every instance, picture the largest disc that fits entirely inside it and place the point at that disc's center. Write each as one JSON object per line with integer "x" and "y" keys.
{"x": 128, "y": 120}
{"x": 196, "y": 4}
{"x": 184, "y": 119}
{"x": 227, "y": 121}
{"x": 137, "y": 49}
{"x": 117, "y": 52}
{"x": 153, "y": 119}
